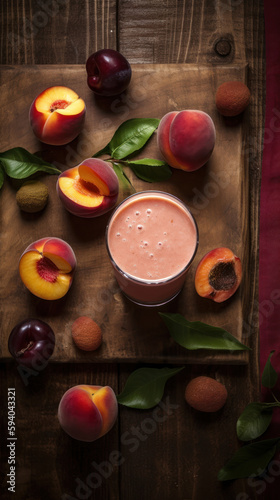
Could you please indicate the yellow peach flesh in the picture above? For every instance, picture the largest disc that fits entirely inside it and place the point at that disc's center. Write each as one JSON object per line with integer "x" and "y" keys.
{"x": 88, "y": 175}
{"x": 74, "y": 108}
{"x": 84, "y": 194}
{"x": 218, "y": 274}
{"x": 36, "y": 284}
{"x": 59, "y": 262}
{"x": 45, "y": 100}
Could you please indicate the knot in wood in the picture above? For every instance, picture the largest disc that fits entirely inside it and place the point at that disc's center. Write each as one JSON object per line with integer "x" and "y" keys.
{"x": 223, "y": 47}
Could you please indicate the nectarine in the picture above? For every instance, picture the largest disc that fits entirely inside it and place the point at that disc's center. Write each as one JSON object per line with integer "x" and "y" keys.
{"x": 186, "y": 138}
{"x": 218, "y": 274}
{"x": 46, "y": 268}
{"x": 90, "y": 189}
{"x": 57, "y": 115}
{"x": 87, "y": 412}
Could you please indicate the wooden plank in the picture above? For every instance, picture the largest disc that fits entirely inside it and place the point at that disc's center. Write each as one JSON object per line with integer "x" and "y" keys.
{"x": 50, "y": 464}
{"x": 185, "y": 31}
{"x": 56, "y": 31}
{"x": 216, "y": 194}
{"x": 179, "y": 450}
{"x": 159, "y": 37}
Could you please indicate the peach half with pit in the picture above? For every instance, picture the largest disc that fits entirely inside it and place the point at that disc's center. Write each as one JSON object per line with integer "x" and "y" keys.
{"x": 57, "y": 115}
{"x": 218, "y": 274}
{"x": 90, "y": 189}
{"x": 186, "y": 138}
{"x": 87, "y": 412}
{"x": 46, "y": 268}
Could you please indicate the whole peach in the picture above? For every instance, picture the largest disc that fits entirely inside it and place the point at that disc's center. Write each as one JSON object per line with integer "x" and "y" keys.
{"x": 87, "y": 412}
{"x": 186, "y": 138}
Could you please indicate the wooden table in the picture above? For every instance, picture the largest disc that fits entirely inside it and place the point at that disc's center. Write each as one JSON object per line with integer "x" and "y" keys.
{"x": 178, "y": 455}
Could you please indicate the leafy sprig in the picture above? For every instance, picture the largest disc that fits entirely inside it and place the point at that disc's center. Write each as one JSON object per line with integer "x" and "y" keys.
{"x": 252, "y": 459}
{"x": 131, "y": 137}
{"x": 18, "y": 163}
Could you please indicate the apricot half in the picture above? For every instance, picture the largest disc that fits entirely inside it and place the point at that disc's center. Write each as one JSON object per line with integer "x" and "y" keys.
{"x": 218, "y": 274}
{"x": 90, "y": 189}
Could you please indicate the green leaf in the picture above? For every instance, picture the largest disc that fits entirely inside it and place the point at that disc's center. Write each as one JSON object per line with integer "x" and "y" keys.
{"x": 269, "y": 376}
{"x": 125, "y": 186}
{"x": 144, "y": 387}
{"x": 150, "y": 170}
{"x": 254, "y": 421}
{"x": 130, "y": 136}
{"x": 197, "y": 335}
{"x": 2, "y": 176}
{"x": 250, "y": 460}
{"x": 18, "y": 163}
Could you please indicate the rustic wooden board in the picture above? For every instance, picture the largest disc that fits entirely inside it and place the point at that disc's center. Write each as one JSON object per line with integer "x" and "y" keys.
{"x": 165, "y": 443}
{"x": 216, "y": 194}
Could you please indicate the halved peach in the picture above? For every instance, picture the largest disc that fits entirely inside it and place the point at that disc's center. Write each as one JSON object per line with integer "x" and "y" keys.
{"x": 46, "y": 268}
{"x": 90, "y": 189}
{"x": 218, "y": 274}
{"x": 57, "y": 115}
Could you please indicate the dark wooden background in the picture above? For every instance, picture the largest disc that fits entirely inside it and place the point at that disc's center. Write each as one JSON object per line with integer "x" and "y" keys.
{"x": 180, "y": 456}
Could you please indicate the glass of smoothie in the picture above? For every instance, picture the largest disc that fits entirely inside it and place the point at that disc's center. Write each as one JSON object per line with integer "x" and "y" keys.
{"x": 151, "y": 240}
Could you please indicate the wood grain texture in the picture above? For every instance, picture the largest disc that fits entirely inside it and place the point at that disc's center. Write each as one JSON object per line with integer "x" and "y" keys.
{"x": 56, "y": 31}
{"x": 181, "y": 450}
{"x": 49, "y": 463}
{"x": 216, "y": 194}
{"x": 167, "y": 31}
{"x": 182, "y": 31}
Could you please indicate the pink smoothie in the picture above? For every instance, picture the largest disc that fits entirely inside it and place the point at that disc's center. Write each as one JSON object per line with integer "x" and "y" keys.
{"x": 151, "y": 239}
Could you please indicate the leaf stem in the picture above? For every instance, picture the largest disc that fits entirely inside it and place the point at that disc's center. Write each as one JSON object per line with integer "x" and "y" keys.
{"x": 275, "y": 398}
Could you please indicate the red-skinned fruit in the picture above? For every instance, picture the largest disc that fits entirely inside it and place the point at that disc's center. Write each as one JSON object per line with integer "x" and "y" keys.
{"x": 109, "y": 72}
{"x": 218, "y": 274}
{"x": 31, "y": 343}
{"x": 90, "y": 189}
{"x": 186, "y": 138}
{"x": 47, "y": 267}
{"x": 57, "y": 115}
{"x": 87, "y": 412}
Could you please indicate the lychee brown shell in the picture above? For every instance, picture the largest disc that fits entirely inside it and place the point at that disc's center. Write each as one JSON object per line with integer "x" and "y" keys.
{"x": 86, "y": 334}
{"x": 206, "y": 394}
{"x": 232, "y": 98}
